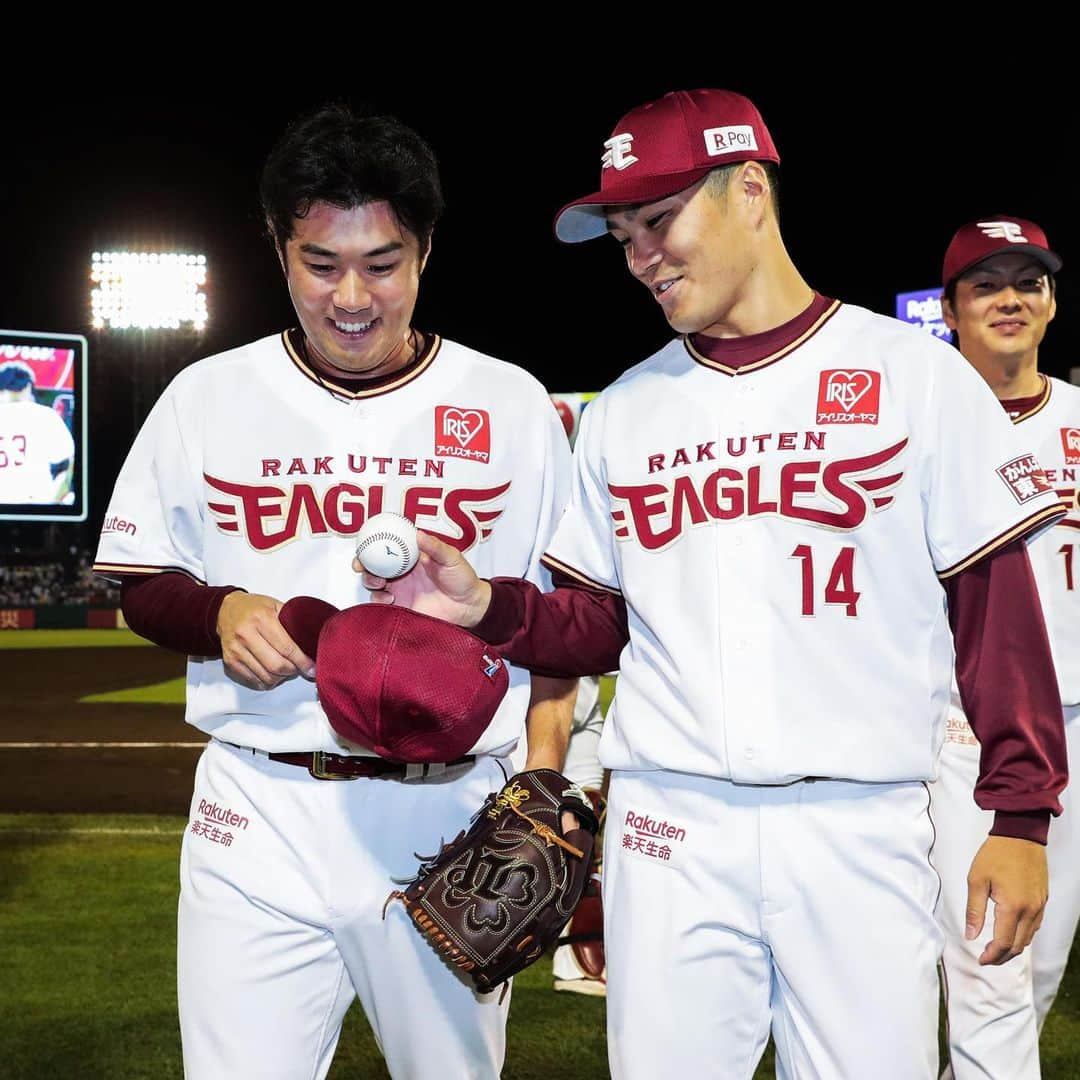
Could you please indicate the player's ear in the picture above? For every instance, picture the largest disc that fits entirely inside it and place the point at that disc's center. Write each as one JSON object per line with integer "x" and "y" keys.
{"x": 948, "y": 316}
{"x": 752, "y": 183}
{"x": 424, "y": 256}
{"x": 1053, "y": 307}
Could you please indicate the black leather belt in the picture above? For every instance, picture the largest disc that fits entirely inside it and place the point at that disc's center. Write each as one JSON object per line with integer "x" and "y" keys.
{"x": 325, "y": 766}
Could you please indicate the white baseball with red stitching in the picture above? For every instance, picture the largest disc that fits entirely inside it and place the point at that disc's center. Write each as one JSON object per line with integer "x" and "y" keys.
{"x": 386, "y": 545}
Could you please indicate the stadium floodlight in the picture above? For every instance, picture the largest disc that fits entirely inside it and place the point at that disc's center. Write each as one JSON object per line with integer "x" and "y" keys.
{"x": 148, "y": 290}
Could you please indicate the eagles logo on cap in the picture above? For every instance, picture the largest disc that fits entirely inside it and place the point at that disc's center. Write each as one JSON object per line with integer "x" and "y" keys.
{"x": 978, "y": 240}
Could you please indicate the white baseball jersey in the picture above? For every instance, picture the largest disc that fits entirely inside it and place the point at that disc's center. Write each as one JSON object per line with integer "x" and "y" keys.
{"x": 996, "y": 1013}
{"x": 33, "y": 438}
{"x": 1053, "y": 428}
{"x": 780, "y": 541}
{"x": 468, "y": 447}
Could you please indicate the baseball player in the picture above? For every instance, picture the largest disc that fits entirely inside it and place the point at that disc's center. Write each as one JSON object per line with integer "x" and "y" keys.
{"x": 220, "y": 514}
{"x": 780, "y": 524}
{"x": 36, "y": 447}
{"x": 999, "y": 298}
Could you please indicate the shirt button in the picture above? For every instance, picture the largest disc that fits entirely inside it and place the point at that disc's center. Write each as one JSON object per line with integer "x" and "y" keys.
{"x": 737, "y": 542}
{"x": 748, "y": 753}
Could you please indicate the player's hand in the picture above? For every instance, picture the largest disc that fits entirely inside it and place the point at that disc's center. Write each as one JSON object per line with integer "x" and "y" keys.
{"x": 441, "y": 584}
{"x": 257, "y": 651}
{"x": 1012, "y": 873}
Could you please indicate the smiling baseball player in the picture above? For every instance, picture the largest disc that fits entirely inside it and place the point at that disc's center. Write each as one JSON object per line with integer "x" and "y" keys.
{"x": 780, "y": 525}
{"x": 222, "y": 513}
{"x": 999, "y": 298}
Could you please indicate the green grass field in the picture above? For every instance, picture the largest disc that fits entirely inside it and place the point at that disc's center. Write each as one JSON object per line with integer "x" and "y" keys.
{"x": 87, "y": 949}
{"x": 87, "y": 939}
{"x": 70, "y": 639}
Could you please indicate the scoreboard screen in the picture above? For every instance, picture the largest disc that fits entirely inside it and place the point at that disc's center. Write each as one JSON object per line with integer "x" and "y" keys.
{"x": 43, "y": 447}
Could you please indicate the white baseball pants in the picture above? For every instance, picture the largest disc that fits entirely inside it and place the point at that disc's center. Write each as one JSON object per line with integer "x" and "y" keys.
{"x": 805, "y": 909}
{"x": 281, "y": 925}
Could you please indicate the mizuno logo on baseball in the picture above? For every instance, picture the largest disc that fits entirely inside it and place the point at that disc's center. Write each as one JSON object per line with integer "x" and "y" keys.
{"x": 268, "y": 516}
{"x": 839, "y": 392}
{"x": 462, "y": 433}
{"x": 617, "y": 152}
{"x": 736, "y": 138}
{"x": 1070, "y": 443}
{"x": 657, "y": 514}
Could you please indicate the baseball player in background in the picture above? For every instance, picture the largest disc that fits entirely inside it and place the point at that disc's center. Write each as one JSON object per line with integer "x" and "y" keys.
{"x": 36, "y": 446}
{"x": 999, "y": 298}
{"x": 222, "y": 513}
{"x": 780, "y": 524}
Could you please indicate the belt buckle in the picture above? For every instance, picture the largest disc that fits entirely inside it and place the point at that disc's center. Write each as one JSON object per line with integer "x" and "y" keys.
{"x": 317, "y": 768}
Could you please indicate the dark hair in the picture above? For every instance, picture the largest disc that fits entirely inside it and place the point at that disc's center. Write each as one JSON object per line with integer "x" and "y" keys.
{"x": 16, "y": 375}
{"x": 345, "y": 158}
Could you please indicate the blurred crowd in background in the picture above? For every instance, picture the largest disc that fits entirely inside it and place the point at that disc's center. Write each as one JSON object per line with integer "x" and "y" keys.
{"x": 36, "y": 580}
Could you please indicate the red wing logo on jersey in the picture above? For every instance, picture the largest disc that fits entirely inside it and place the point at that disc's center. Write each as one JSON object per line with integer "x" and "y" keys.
{"x": 1070, "y": 443}
{"x": 269, "y": 517}
{"x": 1024, "y": 477}
{"x": 830, "y": 495}
{"x": 849, "y": 397}
{"x": 462, "y": 433}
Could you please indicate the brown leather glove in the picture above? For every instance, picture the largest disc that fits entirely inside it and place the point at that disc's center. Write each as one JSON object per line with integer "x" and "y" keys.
{"x": 500, "y": 893}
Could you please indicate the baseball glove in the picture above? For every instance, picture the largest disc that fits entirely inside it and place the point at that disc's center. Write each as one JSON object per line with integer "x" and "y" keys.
{"x": 585, "y": 932}
{"x": 500, "y": 893}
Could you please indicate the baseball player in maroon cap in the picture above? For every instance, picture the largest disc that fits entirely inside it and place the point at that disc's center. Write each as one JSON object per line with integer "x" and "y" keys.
{"x": 780, "y": 524}
{"x": 999, "y": 298}
{"x": 311, "y": 800}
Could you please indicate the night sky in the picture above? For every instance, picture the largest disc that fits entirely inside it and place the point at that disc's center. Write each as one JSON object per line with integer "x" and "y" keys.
{"x": 878, "y": 168}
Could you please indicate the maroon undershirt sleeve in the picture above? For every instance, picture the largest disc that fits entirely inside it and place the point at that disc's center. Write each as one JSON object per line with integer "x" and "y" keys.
{"x": 1009, "y": 689}
{"x": 174, "y": 612}
{"x": 574, "y": 630}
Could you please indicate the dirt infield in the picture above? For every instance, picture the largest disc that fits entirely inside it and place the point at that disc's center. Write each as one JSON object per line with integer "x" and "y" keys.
{"x": 40, "y": 692}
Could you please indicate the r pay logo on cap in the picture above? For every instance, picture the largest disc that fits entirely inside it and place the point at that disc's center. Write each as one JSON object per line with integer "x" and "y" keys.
{"x": 733, "y": 139}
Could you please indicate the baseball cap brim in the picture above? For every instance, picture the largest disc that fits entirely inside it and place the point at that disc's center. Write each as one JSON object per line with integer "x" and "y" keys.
{"x": 584, "y": 219}
{"x": 1050, "y": 259}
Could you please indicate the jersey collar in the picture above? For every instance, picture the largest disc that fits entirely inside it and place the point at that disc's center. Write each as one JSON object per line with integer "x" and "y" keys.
{"x": 737, "y": 356}
{"x": 354, "y": 389}
{"x": 1020, "y": 409}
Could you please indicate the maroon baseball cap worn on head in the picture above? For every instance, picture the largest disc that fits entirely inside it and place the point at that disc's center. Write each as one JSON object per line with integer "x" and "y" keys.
{"x": 409, "y": 687}
{"x": 665, "y": 146}
{"x": 978, "y": 240}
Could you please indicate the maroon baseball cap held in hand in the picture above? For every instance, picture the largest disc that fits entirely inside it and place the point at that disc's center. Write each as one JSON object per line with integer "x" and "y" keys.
{"x": 978, "y": 240}
{"x": 665, "y": 146}
{"x": 410, "y": 687}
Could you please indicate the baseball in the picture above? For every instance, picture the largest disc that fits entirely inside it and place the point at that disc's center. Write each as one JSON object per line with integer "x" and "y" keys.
{"x": 386, "y": 545}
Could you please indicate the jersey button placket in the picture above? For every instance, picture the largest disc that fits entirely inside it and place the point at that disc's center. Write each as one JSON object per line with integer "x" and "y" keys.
{"x": 738, "y": 597}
